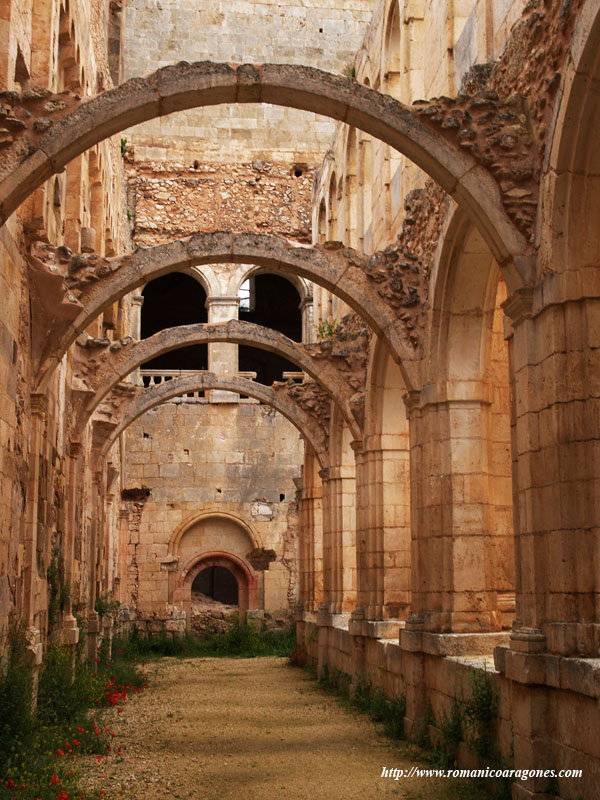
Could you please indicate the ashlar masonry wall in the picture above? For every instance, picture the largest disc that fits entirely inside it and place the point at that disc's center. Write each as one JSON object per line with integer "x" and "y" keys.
{"x": 320, "y": 33}
{"x": 231, "y": 464}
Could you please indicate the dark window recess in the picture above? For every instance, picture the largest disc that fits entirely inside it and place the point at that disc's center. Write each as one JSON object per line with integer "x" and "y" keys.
{"x": 169, "y": 301}
{"x": 218, "y": 583}
{"x": 275, "y": 303}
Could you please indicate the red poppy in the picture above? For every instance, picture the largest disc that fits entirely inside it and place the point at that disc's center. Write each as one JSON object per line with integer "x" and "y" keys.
{"x": 63, "y": 796}
{"x": 54, "y": 779}
{"x": 10, "y": 784}
{"x": 60, "y": 752}
{"x": 99, "y": 758}
{"x": 80, "y": 730}
{"x": 76, "y": 742}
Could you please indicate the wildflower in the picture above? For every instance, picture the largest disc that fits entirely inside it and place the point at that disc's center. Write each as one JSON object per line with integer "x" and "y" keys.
{"x": 96, "y": 661}
{"x": 10, "y": 784}
{"x": 99, "y": 758}
{"x": 80, "y": 730}
{"x": 76, "y": 742}
{"x": 54, "y": 779}
{"x": 60, "y": 752}
{"x": 63, "y": 796}
{"x": 119, "y": 710}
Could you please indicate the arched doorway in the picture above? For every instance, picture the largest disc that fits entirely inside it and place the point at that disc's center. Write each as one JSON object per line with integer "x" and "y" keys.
{"x": 238, "y": 571}
{"x": 217, "y": 584}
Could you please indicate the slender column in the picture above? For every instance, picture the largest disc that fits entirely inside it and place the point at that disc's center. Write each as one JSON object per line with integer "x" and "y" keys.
{"x": 70, "y": 631}
{"x": 328, "y": 567}
{"x": 39, "y": 410}
{"x": 137, "y": 301}
{"x": 308, "y": 323}
{"x": 222, "y": 357}
{"x": 93, "y": 566}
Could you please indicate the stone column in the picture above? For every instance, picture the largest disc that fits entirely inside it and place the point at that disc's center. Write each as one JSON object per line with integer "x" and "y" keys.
{"x": 93, "y": 620}
{"x": 454, "y": 547}
{"x": 554, "y": 351}
{"x": 387, "y": 513}
{"x": 327, "y": 603}
{"x": 137, "y": 301}
{"x": 223, "y": 357}
{"x": 70, "y": 631}
{"x": 308, "y": 322}
{"x": 342, "y": 510}
{"x": 32, "y": 584}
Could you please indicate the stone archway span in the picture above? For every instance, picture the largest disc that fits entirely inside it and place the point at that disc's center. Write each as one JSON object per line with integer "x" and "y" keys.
{"x": 315, "y": 432}
{"x": 180, "y": 531}
{"x": 33, "y": 157}
{"x": 74, "y": 302}
{"x": 115, "y": 365}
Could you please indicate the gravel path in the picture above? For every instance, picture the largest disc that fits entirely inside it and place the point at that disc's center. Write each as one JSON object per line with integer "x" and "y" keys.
{"x": 248, "y": 728}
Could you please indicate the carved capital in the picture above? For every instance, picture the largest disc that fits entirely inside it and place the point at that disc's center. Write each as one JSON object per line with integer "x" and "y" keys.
{"x": 519, "y": 305}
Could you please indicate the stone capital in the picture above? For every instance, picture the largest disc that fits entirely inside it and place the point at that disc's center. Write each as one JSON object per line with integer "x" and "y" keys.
{"x": 39, "y": 405}
{"x": 519, "y": 306}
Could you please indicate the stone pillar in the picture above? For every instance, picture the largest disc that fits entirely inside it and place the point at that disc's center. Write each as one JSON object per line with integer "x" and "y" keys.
{"x": 137, "y": 301}
{"x": 223, "y": 357}
{"x": 308, "y": 322}
{"x": 387, "y": 517}
{"x": 122, "y": 595}
{"x": 93, "y": 620}
{"x": 70, "y": 631}
{"x": 33, "y": 583}
{"x": 328, "y": 569}
{"x": 454, "y": 547}
{"x": 311, "y": 548}
{"x": 555, "y": 371}
{"x": 342, "y": 512}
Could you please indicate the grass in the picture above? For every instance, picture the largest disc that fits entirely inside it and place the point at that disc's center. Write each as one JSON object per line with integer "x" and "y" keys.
{"x": 240, "y": 639}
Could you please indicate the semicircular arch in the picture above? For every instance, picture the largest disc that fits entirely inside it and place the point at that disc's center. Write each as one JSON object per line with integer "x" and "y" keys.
{"x": 182, "y": 86}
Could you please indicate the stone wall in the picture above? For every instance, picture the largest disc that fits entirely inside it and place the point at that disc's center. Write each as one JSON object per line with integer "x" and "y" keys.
{"x": 168, "y": 200}
{"x": 230, "y": 464}
{"x": 320, "y": 33}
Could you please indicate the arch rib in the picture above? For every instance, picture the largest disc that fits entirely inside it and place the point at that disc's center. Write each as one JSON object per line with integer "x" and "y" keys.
{"x": 183, "y": 86}
{"x": 150, "y": 398}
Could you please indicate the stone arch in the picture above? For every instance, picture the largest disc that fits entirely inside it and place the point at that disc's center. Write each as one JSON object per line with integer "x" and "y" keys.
{"x": 149, "y": 398}
{"x": 302, "y": 285}
{"x": 179, "y": 532}
{"x": 340, "y": 271}
{"x": 247, "y": 580}
{"x": 116, "y": 365}
{"x": 185, "y": 85}
{"x": 568, "y": 233}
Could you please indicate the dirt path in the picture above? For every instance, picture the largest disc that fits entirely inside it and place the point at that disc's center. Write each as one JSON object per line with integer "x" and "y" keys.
{"x": 249, "y": 728}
